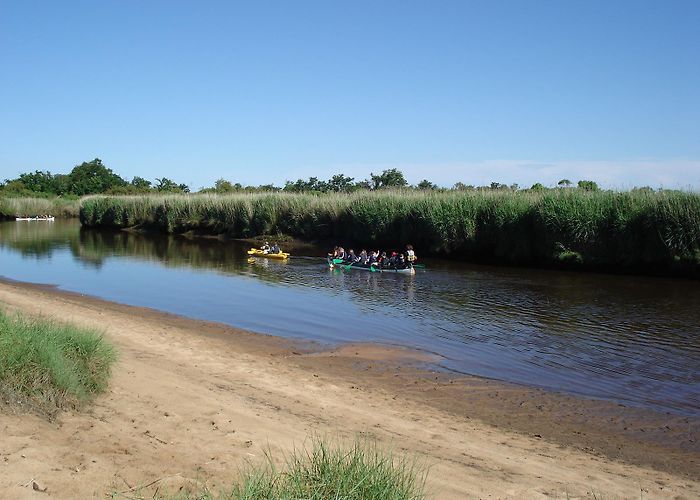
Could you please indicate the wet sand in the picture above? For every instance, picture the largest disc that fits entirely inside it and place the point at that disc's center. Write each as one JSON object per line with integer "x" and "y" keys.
{"x": 193, "y": 400}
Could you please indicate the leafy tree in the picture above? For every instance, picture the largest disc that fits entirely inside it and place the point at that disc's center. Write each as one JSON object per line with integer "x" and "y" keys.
{"x": 141, "y": 184}
{"x": 365, "y": 184}
{"x": 184, "y": 188}
{"x": 515, "y": 186}
{"x": 460, "y": 186}
{"x": 39, "y": 182}
{"x": 588, "y": 185}
{"x": 497, "y": 185}
{"x": 341, "y": 183}
{"x": 223, "y": 186}
{"x": 15, "y": 186}
{"x": 93, "y": 177}
{"x": 62, "y": 184}
{"x": 392, "y": 178}
{"x": 564, "y": 183}
{"x": 426, "y": 184}
{"x": 538, "y": 187}
{"x": 164, "y": 184}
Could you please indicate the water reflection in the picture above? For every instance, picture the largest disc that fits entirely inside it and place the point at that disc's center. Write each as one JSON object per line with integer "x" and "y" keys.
{"x": 629, "y": 339}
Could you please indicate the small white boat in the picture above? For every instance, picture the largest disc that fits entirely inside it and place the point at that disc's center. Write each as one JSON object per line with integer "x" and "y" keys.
{"x": 50, "y": 218}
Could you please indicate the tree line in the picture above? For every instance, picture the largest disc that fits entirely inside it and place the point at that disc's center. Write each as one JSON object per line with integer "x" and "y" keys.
{"x": 94, "y": 177}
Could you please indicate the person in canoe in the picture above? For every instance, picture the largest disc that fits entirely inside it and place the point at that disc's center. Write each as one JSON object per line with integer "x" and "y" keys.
{"x": 363, "y": 258}
{"x": 265, "y": 248}
{"x": 275, "y": 248}
{"x": 400, "y": 262}
{"x": 373, "y": 258}
{"x": 351, "y": 258}
{"x": 410, "y": 254}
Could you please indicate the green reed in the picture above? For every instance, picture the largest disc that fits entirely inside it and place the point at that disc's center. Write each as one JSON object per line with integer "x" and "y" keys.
{"x": 606, "y": 228}
{"x": 11, "y": 207}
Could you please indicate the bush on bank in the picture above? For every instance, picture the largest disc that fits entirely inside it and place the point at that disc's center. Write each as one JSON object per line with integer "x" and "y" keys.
{"x": 49, "y": 366}
{"x": 596, "y": 228}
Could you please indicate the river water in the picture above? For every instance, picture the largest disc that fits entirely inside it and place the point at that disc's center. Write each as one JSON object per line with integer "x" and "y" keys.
{"x": 633, "y": 340}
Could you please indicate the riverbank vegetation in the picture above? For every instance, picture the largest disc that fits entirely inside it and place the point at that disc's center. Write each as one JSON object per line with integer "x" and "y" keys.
{"x": 362, "y": 471}
{"x": 22, "y": 206}
{"x": 47, "y": 366}
{"x": 574, "y": 227}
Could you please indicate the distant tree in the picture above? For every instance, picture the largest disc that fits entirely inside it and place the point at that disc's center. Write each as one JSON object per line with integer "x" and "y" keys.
{"x": 92, "y": 177}
{"x": 515, "y": 186}
{"x": 39, "y": 182}
{"x": 426, "y": 184}
{"x": 341, "y": 183}
{"x": 293, "y": 187}
{"x": 538, "y": 187}
{"x": 15, "y": 186}
{"x": 183, "y": 188}
{"x": 497, "y": 186}
{"x": 564, "y": 183}
{"x": 62, "y": 183}
{"x": 460, "y": 186}
{"x": 164, "y": 184}
{"x": 223, "y": 186}
{"x": 140, "y": 184}
{"x": 588, "y": 185}
{"x": 364, "y": 184}
{"x": 392, "y": 178}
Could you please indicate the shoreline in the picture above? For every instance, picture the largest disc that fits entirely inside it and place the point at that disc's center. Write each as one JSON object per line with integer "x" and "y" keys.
{"x": 476, "y": 428}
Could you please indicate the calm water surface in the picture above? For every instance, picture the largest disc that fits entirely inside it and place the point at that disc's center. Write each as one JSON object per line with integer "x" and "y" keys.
{"x": 633, "y": 340}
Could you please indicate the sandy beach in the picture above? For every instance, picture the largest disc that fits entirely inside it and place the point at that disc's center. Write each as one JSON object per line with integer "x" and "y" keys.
{"x": 193, "y": 400}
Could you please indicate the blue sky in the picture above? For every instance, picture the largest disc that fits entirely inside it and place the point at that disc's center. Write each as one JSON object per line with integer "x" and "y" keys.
{"x": 260, "y": 92}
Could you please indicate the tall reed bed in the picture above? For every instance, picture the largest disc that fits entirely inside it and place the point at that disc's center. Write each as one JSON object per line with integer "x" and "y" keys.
{"x": 605, "y": 228}
{"x": 29, "y": 207}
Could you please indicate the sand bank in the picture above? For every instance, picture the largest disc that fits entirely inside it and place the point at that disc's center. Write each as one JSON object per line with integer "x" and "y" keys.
{"x": 192, "y": 399}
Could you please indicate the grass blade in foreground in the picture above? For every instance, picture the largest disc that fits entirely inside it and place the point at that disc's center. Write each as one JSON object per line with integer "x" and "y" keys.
{"x": 48, "y": 366}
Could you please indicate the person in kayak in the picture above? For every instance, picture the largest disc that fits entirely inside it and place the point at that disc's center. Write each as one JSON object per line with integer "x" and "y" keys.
{"x": 275, "y": 248}
{"x": 265, "y": 248}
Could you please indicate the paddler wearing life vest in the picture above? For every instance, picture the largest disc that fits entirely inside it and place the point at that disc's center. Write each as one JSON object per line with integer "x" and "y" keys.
{"x": 411, "y": 257}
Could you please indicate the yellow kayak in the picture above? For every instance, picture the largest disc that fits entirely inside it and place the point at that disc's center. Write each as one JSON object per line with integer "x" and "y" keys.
{"x": 259, "y": 253}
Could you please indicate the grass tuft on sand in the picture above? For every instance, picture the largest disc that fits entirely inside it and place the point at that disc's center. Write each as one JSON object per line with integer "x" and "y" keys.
{"x": 47, "y": 366}
{"x": 322, "y": 470}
